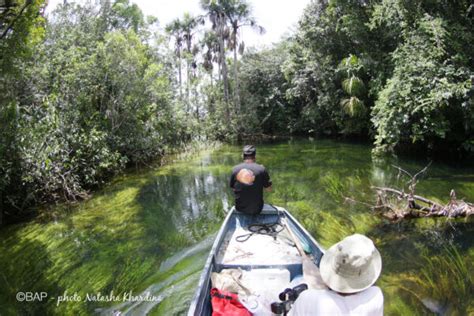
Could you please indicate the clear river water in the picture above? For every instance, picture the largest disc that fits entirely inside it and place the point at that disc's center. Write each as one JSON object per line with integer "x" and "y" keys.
{"x": 149, "y": 231}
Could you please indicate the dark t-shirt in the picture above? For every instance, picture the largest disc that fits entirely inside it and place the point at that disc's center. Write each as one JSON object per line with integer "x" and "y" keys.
{"x": 248, "y": 186}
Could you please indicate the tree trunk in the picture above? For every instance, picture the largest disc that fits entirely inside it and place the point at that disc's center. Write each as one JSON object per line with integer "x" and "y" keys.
{"x": 179, "y": 78}
{"x": 224, "y": 67}
{"x": 196, "y": 103}
{"x": 407, "y": 195}
{"x": 188, "y": 73}
{"x": 236, "y": 80}
{"x": 1, "y": 211}
{"x": 412, "y": 209}
{"x": 210, "y": 102}
{"x": 188, "y": 82}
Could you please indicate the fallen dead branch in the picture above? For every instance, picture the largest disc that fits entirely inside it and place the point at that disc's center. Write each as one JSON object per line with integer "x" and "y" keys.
{"x": 396, "y": 204}
{"x": 413, "y": 206}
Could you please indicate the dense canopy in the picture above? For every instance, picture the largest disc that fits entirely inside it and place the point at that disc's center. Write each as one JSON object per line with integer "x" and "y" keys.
{"x": 94, "y": 88}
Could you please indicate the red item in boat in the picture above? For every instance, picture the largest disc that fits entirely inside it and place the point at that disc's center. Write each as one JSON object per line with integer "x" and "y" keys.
{"x": 227, "y": 304}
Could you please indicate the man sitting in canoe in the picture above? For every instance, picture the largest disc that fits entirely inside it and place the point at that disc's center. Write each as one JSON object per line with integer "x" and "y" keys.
{"x": 349, "y": 268}
{"x": 248, "y": 180}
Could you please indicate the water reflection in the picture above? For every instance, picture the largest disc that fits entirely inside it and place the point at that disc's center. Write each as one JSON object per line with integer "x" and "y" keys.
{"x": 151, "y": 231}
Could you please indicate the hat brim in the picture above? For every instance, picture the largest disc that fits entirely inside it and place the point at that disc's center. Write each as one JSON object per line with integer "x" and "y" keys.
{"x": 349, "y": 284}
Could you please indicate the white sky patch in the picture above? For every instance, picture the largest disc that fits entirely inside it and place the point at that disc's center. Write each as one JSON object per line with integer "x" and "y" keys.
{"x": 278, "y": 17}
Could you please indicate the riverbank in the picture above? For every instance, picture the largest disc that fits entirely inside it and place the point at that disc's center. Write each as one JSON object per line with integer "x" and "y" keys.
{"x": 44, "y": 211}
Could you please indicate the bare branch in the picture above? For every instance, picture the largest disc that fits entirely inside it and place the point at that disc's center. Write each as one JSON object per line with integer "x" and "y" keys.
{"x": 423, "y": 170}
{"x": 403, "y": 171}
{"x": 405, "y": 195}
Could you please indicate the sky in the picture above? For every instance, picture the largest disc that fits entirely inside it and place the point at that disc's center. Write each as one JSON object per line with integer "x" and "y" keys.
{"x": 278, "y": 17}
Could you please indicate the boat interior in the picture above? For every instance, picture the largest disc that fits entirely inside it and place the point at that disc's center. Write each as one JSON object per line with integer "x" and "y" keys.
{"x": 263, "y": 250}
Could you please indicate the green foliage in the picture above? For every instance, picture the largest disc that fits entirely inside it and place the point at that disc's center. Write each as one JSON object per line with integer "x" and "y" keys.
{"x": 353, "y": 86}
{"x": 328, "y": 67}
{"x": 21, "y": 28}
{"x": 264, "y": 105}
{"x": 58, "y": 160}
{"x": 350, "y": 68}
{"x": 353, "y": 106}
{"x": 423, "y": 100}
{"x": 127, "y": 16}
{"x": 399, "y": 72}
{"x": 94, "y": 88}
{"x": 94, "y": 97}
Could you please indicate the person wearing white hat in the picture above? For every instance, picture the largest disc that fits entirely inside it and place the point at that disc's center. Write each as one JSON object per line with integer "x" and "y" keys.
{"x": 349, "y": 269}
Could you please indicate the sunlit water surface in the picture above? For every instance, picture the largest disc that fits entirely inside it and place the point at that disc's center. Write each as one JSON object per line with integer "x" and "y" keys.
{"x": 150, "y": 232}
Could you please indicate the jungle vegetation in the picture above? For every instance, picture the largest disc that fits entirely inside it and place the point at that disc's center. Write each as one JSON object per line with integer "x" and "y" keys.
{"x": 96, "y": 87}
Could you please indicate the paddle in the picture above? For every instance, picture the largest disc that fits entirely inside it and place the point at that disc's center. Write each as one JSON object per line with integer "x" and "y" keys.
{"x": 311, "y": 273}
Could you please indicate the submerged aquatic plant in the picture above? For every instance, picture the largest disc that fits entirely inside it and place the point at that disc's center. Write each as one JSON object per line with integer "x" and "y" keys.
{"x": 444, "y": 282}
{"x": 333, "y": 184}
{"x": 151, "y": 230}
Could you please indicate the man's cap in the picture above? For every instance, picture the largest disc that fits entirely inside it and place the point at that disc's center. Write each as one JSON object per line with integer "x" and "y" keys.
{"x": 352, "y": 265}
{"x": 249, "y": 150}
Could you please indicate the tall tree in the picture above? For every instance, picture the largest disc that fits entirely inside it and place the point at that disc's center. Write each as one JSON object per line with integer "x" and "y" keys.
{"x": 238, "y": 12}
{"x": 217, "y": 16}
{"x": 127, "y": 15}
{"x": 175, "y": 30}
{"x": 21, "y": 29}
{"x": 211, "y": 44}
{"x": 189, "y": 26}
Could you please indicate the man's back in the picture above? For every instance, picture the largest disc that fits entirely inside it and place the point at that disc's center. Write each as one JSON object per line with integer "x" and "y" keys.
{"x": 248, "y": 180}
{"x": 325, "y": 302}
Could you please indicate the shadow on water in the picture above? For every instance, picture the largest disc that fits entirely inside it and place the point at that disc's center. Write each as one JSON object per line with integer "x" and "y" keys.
{"x": 18, "y": 276}
{"x": 181, "y": 206}
{"x": 146, "y": 231}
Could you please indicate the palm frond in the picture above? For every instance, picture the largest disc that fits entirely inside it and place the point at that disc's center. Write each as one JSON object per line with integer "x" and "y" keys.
{"x": 353, "y": 86}
{"x": 353, "y": 106}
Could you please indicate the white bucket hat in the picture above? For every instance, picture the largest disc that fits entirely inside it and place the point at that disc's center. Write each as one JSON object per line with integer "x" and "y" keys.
{"x": 352, "y": 265}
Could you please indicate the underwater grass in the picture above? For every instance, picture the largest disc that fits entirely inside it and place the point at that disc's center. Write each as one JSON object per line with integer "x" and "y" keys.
{"x": 112, "y": 242}
{"x": 447, "y": 278}
{"x": 441, "y": 283}
{"x": 119, "y": 239}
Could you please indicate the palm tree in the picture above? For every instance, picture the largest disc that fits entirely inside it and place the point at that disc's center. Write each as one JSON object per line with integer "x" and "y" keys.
{"x": 218, "y": 19}
{"x": 239, "y": 14}
{"x": 210, "y": 50}
{"x": 353, "y": 86}
{"x": 211, "y": 44}
{"x": 175, "y": 29}
{"x": 189, "y": 25}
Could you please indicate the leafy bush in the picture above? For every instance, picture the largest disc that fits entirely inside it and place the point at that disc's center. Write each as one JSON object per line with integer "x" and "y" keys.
{"x": 94, "y": 98}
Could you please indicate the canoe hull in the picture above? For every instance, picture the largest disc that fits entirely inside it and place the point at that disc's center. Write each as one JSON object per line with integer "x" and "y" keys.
{"x": 201, "y": 303}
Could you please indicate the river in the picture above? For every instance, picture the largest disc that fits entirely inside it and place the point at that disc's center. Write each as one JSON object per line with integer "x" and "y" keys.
{"x": 149, "y": 232}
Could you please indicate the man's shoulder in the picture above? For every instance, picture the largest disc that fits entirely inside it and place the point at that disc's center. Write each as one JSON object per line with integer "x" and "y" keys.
{"x": 254, "y": 167}
{"x": 316, "y": 302}
{"x": 248, "y": 165}
{"x": 258, "y": 166}
{"x": 372, "y": 291}
{"x": 238, "y": 167}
